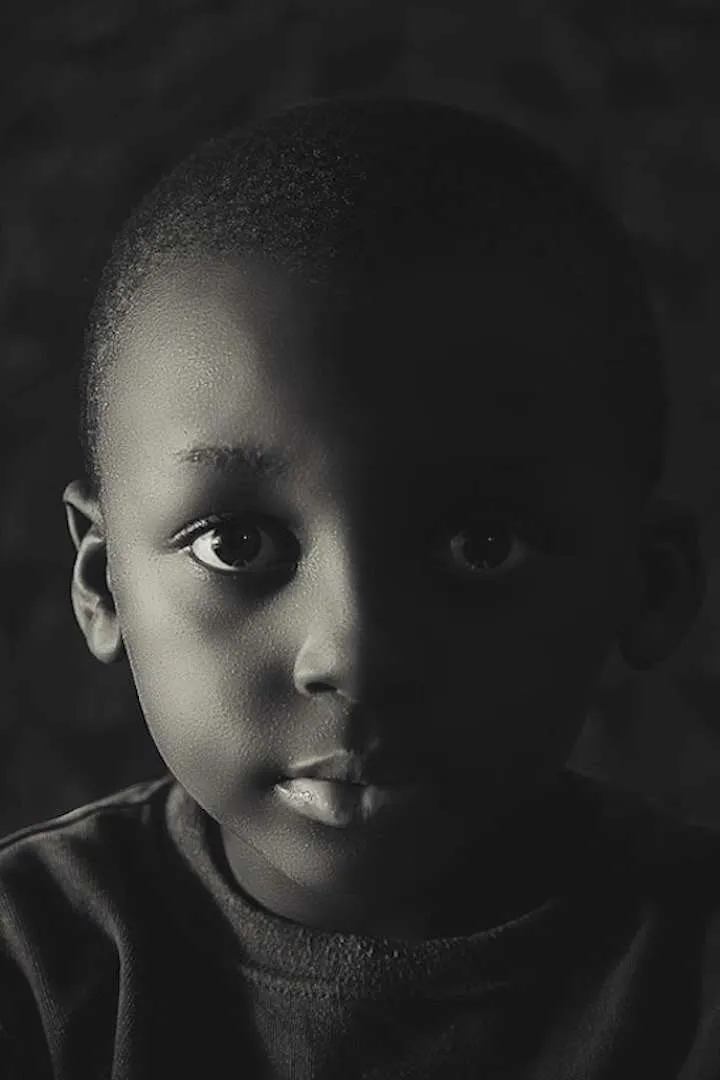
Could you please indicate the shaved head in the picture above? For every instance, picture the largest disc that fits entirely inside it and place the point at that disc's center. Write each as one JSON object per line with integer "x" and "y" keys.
{"x": 342, "y": 195}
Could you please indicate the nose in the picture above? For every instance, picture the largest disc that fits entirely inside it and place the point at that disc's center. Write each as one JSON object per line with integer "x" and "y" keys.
{"x": 356, "y": 638}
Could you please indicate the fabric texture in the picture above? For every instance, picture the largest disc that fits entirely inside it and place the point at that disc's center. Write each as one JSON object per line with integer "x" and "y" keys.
{"x": 128, "y": 952}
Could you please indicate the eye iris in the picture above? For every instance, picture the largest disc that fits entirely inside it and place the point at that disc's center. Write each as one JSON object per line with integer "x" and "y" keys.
{"x": 480, "y": 547}
{"x": 237, "y": 545}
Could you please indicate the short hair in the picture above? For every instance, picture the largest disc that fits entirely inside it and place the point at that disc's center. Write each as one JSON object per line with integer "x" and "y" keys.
{"x": 331, "y": 190}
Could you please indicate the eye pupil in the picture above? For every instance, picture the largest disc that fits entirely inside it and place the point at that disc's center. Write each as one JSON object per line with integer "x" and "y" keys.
{"x": 480, "y": 547}
{"x": 237, "y": 544}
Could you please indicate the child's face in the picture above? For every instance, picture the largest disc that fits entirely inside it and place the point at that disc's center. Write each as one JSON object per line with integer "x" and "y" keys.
{"x": 362, "y": 613}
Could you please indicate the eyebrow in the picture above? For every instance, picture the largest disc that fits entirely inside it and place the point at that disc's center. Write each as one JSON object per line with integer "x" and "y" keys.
{"x": 250, "y": 459}
{"x": 256, "y": 461}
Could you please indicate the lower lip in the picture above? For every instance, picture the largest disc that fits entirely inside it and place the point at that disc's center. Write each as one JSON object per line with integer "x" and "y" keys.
{"x": 342, "y": 804}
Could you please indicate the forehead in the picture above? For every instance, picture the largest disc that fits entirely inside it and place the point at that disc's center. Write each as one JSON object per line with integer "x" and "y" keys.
{"x": 419, "y": 361}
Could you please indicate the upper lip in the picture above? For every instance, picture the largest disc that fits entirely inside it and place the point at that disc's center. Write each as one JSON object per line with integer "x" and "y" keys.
{"x": 348, "y": 767}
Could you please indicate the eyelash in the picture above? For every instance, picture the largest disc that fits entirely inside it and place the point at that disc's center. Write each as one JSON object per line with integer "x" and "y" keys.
{"x": 521, "y": 524}
{"x": 187, "y": 536}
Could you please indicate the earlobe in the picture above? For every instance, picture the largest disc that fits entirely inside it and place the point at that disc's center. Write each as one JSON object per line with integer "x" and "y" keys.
{"x": 92, "y": 599}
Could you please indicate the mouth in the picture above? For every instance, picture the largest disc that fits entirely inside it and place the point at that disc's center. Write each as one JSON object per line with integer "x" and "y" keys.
{"x": 347, "y": 788}
{"x": 341, "y": 803}
{"x": 357, "y": 770}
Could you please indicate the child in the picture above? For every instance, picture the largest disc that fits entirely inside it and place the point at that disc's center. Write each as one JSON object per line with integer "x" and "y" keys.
{"x": 373, "y": 420}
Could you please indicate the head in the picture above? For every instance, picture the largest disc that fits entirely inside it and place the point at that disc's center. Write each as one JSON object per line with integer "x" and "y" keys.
{"x": 373, "y": 419}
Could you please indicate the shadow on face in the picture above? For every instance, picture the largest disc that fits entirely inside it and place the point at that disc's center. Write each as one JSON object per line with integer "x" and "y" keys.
{"x": 390, "y": 518}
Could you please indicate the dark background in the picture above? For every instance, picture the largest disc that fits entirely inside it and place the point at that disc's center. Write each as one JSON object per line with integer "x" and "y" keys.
{"x": 97, "y": 99}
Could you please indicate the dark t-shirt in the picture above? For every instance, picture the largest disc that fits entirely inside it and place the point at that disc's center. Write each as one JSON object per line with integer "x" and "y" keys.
{"x": 127, "y": 952}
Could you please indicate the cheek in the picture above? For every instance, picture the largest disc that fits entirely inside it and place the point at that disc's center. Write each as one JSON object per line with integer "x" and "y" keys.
{"x": 508, "y": 672}
{"x": 533, "y": 658}
{"x": 204, "y": 668}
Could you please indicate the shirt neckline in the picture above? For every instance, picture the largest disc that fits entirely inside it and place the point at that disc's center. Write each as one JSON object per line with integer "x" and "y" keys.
{"x": 296, "y": 957}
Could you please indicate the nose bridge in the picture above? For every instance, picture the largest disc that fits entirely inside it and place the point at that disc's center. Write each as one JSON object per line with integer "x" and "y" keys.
{"x": 346, "y": 590}
{"x": 351, "y": 634}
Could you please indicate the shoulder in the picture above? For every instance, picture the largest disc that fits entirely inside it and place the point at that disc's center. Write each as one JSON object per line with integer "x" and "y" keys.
{"x": 642, "y": 839}
{"x": 97, "y": 827}
{"x": 692, "y": 881}
{"x": 132, "y": 801}
{"x": 90, "y": 905}
{"x": 666, "y": 865}
{"x": 71, "y": 866}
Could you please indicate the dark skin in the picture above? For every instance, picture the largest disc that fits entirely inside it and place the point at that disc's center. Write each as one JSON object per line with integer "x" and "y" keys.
{"x": 358, "y": 614}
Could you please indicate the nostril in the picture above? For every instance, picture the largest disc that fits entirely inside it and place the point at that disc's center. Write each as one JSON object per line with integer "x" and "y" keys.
{"x": 316, "y": 687}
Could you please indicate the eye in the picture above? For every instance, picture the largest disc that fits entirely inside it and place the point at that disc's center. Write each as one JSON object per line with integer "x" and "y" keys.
{"x": 487, "y": 549}
{"x": 242, "y": 545}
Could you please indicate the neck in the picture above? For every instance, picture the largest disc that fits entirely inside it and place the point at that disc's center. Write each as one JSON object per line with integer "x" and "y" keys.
{"x": 497, "y": 879}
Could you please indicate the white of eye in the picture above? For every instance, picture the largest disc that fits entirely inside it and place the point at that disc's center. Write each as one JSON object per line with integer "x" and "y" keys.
{"x": 262, "y": 553}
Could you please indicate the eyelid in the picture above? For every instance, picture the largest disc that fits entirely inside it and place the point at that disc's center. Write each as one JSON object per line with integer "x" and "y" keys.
{"x": 477, "y": 511}
{"x": 460, "y": 517}
{"x": 540, "y": 532}
{"x": 189, "y": 534}
{"x": 183, "y": 537}
{"x": 537, "y": 531}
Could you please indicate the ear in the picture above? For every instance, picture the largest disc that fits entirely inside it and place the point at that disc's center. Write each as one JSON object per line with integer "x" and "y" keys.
{"x": 673, "y": 574}
{"x": 92, "y": 598}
